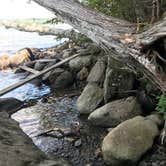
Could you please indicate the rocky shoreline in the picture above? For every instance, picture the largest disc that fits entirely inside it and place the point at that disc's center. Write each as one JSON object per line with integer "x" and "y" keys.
{"x": 41, "y": 29}
{"x": 112, "y": 98}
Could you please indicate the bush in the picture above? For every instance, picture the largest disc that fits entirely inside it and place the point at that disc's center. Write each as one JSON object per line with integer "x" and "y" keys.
{"x": 161, "y": 106}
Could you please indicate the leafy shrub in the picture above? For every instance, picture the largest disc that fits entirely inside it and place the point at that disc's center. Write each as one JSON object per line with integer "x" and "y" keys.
{"x": 161, "y": 106}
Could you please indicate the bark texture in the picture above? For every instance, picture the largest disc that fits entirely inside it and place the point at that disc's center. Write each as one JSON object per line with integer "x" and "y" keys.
{"x": 113, "y": 35}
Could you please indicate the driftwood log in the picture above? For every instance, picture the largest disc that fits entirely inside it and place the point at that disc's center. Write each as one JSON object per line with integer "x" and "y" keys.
{"x": 117, "y": 37}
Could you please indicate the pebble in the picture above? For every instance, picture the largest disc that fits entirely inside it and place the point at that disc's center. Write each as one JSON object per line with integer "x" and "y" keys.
{"x": 78, "y": 143}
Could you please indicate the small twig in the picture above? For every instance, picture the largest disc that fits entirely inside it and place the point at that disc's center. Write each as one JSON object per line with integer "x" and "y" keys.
{"x": 50, "y": 130}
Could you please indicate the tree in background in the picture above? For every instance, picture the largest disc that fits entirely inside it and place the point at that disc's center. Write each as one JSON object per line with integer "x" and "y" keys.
{"x": 131, "y": 10}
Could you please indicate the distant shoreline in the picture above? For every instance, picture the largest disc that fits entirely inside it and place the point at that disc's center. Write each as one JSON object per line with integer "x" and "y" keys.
{"x": 33, "y": 25}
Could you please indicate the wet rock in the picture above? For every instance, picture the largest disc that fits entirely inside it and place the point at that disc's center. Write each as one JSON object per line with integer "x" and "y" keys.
{"x": 79, "y": 62}
{"x": 118, "y": 80}
{"x": 39, "y": 66}
{"x": 97, "y": 73}
{"x": 113, "y": 113}
{"x": 90, "y": 98}
{"x": 126, "y": 143}
{"x": 82, "y": 74}
{"x": 17, "y": 149}
{"x": 10, "y": 105}
{"x": 63, "y": 80}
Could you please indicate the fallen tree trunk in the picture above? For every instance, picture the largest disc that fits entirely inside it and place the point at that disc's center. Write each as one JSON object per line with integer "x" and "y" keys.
{"x": 110, "y": 34}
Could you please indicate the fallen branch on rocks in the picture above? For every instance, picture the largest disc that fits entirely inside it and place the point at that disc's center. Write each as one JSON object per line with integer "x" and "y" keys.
{"x": 62, "y": 133}
{"x": 22, "y": 82}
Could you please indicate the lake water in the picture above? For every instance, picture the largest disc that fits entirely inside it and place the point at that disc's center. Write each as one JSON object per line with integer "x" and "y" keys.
{"x": 11, "y": 41}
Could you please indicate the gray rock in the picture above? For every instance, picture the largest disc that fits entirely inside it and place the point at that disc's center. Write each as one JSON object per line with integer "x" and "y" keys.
{"x": 90, "y": 98}
{"x": 98, "y": 72}
{"x": 78, "y": 143}
{"x": 118, "y": 80}
{"x": 64, "y": 80}
{"x": 126, "y": 143}
{"x": 39, "y": 66}
{"x": 10, "y": 105}
{"x": 17, "y": 149}
{"x": 79, "y": 62}
{"x": 52, "y": 75}
{"x": 113, "y": 113}
{"x": 82, "y": 74}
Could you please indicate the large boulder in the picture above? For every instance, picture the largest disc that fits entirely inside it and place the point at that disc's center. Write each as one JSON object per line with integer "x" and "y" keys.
{"x": 10, "y": 105}
{"x": 22, "y": 56}
{"x": 64, "y": 80}
{"x": 97, "y": 73}
{"x": 113, "y": 113}
{"x": 17, "y": 149}
{"x": 126, "y": 143}
{"x": 118, "y": 80}
{"x": 90, "y": 98}
{"x": 79, "y": 62}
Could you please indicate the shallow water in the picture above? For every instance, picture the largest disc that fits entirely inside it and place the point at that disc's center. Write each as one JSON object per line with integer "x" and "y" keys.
{"x": 60, "y": 112}
{"x": 25, "y": 92}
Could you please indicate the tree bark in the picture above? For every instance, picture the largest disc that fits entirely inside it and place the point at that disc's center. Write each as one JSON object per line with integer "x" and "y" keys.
{"x": 113, "y": 35}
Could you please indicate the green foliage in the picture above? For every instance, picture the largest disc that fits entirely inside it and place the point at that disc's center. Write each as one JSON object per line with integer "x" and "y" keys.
{"x": 100, "y": 5}
{"x": 126, "y": 9}
{"x": 118, "y": 8}
{"x": 161, "y": 106}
